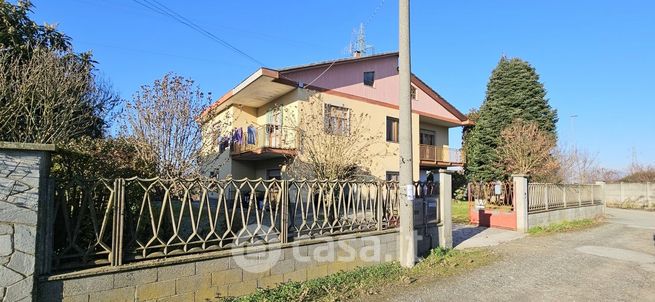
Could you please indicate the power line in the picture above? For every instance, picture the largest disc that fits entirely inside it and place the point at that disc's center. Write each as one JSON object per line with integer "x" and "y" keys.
{"x": 375, "y": 12}
{"x": 162, "y": 9}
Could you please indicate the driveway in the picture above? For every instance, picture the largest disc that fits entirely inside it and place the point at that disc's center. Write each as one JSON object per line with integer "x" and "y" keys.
{"x": 612, "y": 262}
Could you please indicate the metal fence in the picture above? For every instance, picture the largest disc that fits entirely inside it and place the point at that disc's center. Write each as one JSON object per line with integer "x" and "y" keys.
{"x": 495, "y": 193}
{"x": 547, "y": 197}
{"x": 111, "y": 222}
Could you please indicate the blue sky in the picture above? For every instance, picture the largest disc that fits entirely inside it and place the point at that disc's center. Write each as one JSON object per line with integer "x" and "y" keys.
{"x": 596, "y": 58}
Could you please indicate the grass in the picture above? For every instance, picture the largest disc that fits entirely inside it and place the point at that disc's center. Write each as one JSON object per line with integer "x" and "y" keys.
{"x": 566, "y": 226}
{"x": 372, "y": 279}
{"x": 460, "y": 211}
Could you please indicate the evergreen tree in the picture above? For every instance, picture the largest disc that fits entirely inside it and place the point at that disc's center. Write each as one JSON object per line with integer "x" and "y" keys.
{"x": 513, "y": 92}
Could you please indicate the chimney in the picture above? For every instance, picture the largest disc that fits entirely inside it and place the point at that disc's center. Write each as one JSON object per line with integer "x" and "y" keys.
{"x": 357, "y": 54}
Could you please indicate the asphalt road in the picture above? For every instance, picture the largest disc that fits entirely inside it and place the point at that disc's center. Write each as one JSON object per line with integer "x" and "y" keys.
{"x": 612, "y": 262}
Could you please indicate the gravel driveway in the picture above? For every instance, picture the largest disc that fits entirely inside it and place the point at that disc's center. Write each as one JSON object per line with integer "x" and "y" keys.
{"x": 612, "y": 262}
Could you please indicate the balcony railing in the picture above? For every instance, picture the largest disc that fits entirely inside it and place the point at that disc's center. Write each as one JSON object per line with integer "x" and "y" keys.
{"x": 440, "y": 154}
{"x": 267, "y": 136}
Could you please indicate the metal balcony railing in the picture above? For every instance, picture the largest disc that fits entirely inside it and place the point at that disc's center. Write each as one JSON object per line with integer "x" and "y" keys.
{"x": 266, "y": 136}
{"x": 436, "y": 154}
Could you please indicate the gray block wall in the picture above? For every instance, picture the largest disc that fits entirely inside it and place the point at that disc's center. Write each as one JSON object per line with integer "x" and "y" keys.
{"x": 569, "y": 214}
{"x": 220, "y": 275}
{"x": 24, "y": 169}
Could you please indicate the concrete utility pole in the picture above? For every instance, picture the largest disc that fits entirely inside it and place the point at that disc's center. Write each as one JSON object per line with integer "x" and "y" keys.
{"x": 407, "y": 240}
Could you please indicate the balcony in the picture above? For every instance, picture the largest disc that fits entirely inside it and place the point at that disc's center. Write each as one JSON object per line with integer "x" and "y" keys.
{"x": 266, "y": 141}
{"x": 440, "y": 156}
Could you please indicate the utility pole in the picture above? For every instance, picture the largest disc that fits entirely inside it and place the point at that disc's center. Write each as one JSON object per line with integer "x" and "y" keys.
{"x": 407, "y": 240}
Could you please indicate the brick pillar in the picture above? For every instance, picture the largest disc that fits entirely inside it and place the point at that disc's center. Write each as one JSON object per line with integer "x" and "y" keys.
{"x": 24, "y": 171}
{"x": 521, "y": 201}
{"x": 445, "y": 212}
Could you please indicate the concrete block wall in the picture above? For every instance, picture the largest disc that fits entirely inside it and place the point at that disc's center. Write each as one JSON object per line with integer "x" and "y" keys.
{"x": 570, "y": 214}
{"x": 24, "y": 169}
{"x": 630, "y": 195}
{"x": 221, "y": 275}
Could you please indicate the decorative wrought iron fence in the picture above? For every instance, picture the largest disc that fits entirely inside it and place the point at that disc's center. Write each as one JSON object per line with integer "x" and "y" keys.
{"x": 547, "y": 197}
{"x": 491, "y": 193}
{"x": 426, "y": 189}
{"x": 83, "y": 225}
{"x": 111, "y": 222}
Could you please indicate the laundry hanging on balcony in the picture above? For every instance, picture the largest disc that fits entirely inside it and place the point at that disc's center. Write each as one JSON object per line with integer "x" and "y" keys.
{"x": 251, "y": 134}
{"x": 237, "y": 136}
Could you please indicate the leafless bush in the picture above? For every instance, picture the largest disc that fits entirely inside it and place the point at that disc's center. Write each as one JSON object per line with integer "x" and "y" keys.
{"x": 526, "y": 149}
{"x": 162, "y": 118}
{"x": 638, "y": 172}
{"x": 51, "y": 98}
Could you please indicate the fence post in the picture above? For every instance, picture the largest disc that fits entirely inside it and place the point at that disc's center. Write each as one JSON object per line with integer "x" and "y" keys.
{"x": 649, "y": 202}
{"x": 284, "y": 212}
{"x": 445, "y": 227}
{"x": 601, "y": 186}
{"x": 26, "y": 198}
{"x": 592, "y": 194}
{"x": 378, "y": 208}
{"x": 546, "y": 195}
{"x": 564, "y": 196}
{"x": 48, "y": 228}
{"x": 116, "y": 256}
{"x": 521, "y": 201}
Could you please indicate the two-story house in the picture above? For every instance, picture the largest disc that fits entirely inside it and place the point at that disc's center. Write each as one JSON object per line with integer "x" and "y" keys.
{"x": 248, "y": 132}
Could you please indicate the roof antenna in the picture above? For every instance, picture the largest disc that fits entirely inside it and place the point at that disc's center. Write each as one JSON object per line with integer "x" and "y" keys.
{"x": 358, "y": 47}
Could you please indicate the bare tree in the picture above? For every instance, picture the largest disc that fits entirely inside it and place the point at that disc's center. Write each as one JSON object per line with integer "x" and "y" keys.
{"x": 526, "y": 149}
{"x": 335, "y": 143}
{"x": 51, "y": 98}
{"x": 607, "y": 175}
{"x": 577, "y": 165}
{"x": 638, "y": 172}
{"x": 162, "y": 118}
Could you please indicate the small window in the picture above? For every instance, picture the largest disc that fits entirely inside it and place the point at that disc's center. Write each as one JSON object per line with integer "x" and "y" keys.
{"x": 337, "y": 120}
{"x": 392, "y": 129}
{"x": 412, "y": 92}
{"x": 369, "y": 78}
{"x": 392, "y": 176}
{"x": 427, "y": 137}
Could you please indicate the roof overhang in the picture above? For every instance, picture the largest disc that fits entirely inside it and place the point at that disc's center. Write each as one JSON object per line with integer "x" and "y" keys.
{"x": 261, "y": 87}
{"x": 437, "y": 120}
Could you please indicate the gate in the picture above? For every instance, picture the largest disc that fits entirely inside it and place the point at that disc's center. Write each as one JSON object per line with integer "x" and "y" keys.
{"x": 491, "y": 204}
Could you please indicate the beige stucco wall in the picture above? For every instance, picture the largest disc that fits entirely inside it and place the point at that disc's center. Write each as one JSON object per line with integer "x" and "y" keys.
{"x": 385, "y": 153}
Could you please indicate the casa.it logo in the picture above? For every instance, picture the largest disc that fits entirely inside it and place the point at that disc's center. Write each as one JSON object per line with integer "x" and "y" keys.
{"x": 254, "y": 257}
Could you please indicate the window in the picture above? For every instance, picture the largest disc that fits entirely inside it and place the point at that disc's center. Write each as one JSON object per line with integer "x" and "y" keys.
{"x": 369, "y": 78}
{"x": 337, "y": 120}
{"x": 412, "y": 92}
{"x": 392, "y": 129}
{"x": 392, "y": 176}
{"x": 427, "y": 137}
{"x": 274, "y": 174}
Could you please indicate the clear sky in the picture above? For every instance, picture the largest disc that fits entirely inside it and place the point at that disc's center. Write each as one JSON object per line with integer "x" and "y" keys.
{"x": 596, "y": 58}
